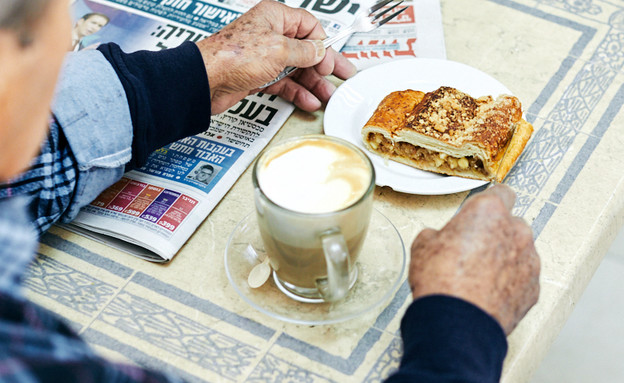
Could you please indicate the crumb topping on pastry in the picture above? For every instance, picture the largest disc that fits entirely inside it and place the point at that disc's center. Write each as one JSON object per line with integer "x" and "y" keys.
{"x": 456, "y": 118}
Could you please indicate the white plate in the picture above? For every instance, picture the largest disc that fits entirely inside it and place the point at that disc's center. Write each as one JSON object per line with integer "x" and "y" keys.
{"x": 357, "y": 98}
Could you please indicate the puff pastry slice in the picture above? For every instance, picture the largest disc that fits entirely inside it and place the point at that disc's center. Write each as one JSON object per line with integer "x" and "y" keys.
{"x": 447, "y": 131}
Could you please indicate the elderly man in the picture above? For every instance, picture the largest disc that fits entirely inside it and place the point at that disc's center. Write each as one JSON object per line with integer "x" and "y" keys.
{"x": 472, "y": 281}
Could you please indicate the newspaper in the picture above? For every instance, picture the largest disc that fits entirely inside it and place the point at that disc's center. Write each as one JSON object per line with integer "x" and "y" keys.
{"x": 416, "y": 32}
{"x": 152, "y": 211}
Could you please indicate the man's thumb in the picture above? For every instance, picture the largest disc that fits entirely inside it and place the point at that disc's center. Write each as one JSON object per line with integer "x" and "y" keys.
{"x": 305, "y": 53}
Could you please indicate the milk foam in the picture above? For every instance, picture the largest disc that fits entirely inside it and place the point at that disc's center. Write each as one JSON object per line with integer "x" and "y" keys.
{"x": 314, "y": 176}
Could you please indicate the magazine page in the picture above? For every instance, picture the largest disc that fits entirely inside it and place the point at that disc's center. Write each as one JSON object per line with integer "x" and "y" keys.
{"x": 152, "y": 211}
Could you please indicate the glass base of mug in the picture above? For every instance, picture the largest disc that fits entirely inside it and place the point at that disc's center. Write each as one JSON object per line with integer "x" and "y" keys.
{"x": 307, "y": 295}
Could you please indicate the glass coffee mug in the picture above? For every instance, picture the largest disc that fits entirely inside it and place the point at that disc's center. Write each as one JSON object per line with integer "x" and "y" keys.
{"x": 313, "y": 198}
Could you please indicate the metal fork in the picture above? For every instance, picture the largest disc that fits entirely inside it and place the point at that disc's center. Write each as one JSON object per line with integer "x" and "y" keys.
{"x": 364, "y": 22}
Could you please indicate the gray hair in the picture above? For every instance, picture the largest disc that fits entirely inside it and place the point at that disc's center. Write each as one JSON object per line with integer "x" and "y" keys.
{"x": 20, "y": 16}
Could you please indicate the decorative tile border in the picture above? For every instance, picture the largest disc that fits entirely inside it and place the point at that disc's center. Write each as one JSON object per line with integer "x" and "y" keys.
{"x": 184, "y": 337}
{"x": 387, "y": 363}
{"x": 203, "y": 305}
{"x": 274, "y": 369}
{"x": 69, "y": 287}
{"x": 79, "y": 252}
{"x": 579, "y": 7}
{"x": 549, "y": 144}
{"x": 579, "y": 162}
{"x": 98, "y": 338}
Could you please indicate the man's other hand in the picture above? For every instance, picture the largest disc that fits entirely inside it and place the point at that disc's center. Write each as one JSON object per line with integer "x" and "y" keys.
{"x": 483, "y": 255}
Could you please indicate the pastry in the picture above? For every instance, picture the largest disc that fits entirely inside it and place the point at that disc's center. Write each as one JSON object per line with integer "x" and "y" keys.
{"x": 447, "y": 131}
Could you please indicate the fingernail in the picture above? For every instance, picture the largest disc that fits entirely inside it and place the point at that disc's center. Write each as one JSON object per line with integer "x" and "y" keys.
{"x": 354, "y": 69}
{"x": 320, "y": 48}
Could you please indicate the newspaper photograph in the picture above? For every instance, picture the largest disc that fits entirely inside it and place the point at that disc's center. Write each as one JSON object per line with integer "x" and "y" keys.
{"x": 152, "y": 211}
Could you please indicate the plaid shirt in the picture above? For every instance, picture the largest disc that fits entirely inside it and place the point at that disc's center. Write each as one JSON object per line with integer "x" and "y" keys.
{"x": 36, "y": 346}
{"x": 49, "y": 182}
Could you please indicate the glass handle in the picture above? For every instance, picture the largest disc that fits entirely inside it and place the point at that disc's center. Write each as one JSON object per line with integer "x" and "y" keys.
{"x": 338, "y": 268}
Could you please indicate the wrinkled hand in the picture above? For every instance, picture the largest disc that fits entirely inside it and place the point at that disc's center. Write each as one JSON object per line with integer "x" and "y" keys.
{"x": 252, "y": 50}
{"x": 483, "y": 255}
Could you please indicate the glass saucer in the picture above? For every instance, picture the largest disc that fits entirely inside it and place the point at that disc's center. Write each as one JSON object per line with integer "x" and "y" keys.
{"x": 381, "y": 265}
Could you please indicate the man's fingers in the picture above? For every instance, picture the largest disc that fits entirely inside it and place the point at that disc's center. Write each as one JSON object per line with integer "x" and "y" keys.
{"x": 336, "y": 64}
{"x": 523, "y": 236}
{"x": 316, "y": 83}
{"x": 524, "y": 233}
{"x": 326, "y": 61}
{"x": 292, "y": 22}
{"x": 304, "y": 53}
{"x": 343, "y": 68}
{"x": 505, "y": 193}
{"x": 497, "y": 199}
{"x": 307, "y": 89}
{"x": 291, "y": 91}
{"x": 425, "y": 236}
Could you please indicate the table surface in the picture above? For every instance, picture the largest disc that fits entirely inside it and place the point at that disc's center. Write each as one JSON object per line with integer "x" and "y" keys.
{"x": 564, "y": 59}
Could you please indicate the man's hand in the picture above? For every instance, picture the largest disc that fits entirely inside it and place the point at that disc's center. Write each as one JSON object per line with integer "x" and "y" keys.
{"x": 483, "y": 255}
{"x": 252, "y": 50}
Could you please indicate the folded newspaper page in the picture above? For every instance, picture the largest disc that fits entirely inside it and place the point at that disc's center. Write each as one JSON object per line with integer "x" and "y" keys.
{"x": 152, "y": 211}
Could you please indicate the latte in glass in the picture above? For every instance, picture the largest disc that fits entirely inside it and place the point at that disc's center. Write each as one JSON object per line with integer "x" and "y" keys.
{"x": 313, "y": 199}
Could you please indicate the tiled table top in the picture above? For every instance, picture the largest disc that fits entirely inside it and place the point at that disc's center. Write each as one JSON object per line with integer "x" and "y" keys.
{"x": 564, "y": 59}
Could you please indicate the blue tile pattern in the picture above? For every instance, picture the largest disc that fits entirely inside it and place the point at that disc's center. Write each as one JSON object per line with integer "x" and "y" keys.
{"x": 588, "y": 7}
{"x": 274, "y": 369}
{"x": 69, "y": 287}
{"x": 181, "y": 336}
{"x": 387, "y": 363}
